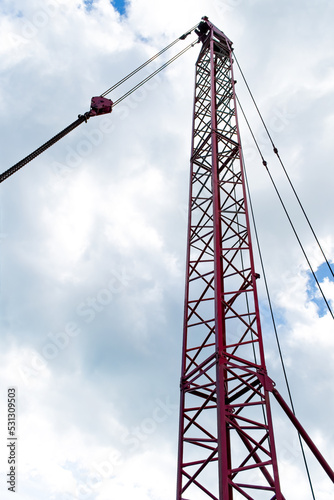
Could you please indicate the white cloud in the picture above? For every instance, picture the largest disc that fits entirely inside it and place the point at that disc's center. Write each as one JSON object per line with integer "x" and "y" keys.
{"x": 105, "y": 208}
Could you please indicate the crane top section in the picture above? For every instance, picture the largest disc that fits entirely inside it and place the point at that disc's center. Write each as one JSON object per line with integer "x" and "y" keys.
{"x": 207, "y": 31}
{"x": 203, "y": 31}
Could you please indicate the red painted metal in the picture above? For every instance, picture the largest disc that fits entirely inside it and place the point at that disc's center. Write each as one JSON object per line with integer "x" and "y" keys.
{"x": 226, "y": 439}
{"x": 100, "y": 106}
{"x": 304, "y": 435}
{"x": 226, "y": 442}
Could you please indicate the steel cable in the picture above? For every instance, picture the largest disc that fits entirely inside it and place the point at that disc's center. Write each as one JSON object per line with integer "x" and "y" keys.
{"x": 182, "y": 37}
{"x": 285, "y": 171}
{"x": 42, "y": 148}
{"x": 155, "y": 73}
{"x": 288, "y": 216}
{"x": 267, "y": 289}
{"x": 86, "y": 116}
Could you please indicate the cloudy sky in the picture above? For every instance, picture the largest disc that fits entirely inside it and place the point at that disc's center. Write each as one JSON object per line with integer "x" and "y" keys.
{"x": 93, "y": 235}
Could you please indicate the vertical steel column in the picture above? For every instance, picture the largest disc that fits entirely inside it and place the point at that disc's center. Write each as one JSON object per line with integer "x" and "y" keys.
{"x": 226, "y": 443}
{"x": 224, "y": 447}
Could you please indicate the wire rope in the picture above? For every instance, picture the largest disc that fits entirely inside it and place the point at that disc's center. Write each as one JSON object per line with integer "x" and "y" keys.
{"x": 155, "y": 73}
{"x": 158, "y": 54}
{"x": 284, "y": 170}
{"x": 86, "y": 116}
{"x": 287, "y": 215}
{"x": 268, "y": 294}
{"x": 276, "y": 332}
{"x": 42, "y": 148}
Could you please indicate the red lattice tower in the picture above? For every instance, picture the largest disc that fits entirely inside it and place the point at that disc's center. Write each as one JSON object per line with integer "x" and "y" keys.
{"x": 226, "y": 440}
{"x": 224, "y": 400}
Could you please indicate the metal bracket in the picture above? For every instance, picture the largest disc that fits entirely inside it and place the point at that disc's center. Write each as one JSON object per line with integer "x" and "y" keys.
{"x": 100, "y": 106}
{"x": 266, "y": 381}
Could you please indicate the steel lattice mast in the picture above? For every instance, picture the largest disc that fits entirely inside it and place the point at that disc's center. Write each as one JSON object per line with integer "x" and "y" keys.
{"x": 226, "y": 442}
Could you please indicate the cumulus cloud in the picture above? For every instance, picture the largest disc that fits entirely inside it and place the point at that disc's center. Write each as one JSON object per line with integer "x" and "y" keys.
{"x": 93, "y": 234}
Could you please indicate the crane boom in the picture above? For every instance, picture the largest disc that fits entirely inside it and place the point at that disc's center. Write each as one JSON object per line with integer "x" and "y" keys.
{"x": 99, "y": 106}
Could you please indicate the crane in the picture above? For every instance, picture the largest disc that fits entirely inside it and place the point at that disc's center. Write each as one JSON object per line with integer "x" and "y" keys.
{"x": 226, "y": 433}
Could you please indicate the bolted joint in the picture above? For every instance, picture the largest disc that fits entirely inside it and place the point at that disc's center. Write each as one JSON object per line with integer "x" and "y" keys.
{"x": 85, "y": 116}
{"x": 221, "y": 357}
{"x": 184, "y": 384}
{"x": 265, "y": 380}
{"x": 229, "y": 411}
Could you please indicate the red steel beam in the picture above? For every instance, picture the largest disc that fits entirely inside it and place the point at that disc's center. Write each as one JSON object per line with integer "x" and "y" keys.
{"x": 304, "y": 435}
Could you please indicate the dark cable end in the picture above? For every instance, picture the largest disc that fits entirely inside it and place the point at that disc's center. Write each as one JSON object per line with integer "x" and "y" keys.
{"x": 184, "y": 36}
{"x": 85, "y": 116}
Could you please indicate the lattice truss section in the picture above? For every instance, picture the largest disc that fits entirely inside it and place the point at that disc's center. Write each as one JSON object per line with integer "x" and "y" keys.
{"x": 248, "y": 444}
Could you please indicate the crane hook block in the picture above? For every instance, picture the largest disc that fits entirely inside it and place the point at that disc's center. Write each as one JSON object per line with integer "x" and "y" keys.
{"x": 100, "y": 106}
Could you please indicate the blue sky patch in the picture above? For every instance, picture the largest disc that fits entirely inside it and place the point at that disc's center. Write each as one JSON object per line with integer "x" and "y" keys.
{"x": 119, "y": 6}
{"x": 88, "y": 4}
{"x": 312, "y": 289}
